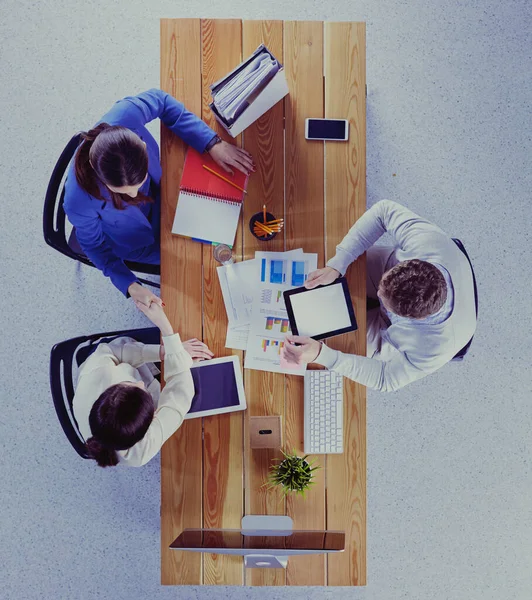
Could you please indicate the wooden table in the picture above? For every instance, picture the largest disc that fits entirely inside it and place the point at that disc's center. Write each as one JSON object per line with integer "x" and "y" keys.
{"x": 210, "y": 477}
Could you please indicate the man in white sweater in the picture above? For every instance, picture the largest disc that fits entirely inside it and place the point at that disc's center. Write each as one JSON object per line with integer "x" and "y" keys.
{"x": 424, "y": 287}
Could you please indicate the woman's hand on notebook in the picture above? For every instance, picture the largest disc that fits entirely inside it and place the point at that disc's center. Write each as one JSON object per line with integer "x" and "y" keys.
{"x": 229, "y": 157}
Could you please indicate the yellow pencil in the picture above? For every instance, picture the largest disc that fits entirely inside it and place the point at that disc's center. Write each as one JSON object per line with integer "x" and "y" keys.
{"x": 225, "y": 179}
{"x": 264, "y": 213}
{"x": 268, "y": 229}
{"x": 262, "y": 227}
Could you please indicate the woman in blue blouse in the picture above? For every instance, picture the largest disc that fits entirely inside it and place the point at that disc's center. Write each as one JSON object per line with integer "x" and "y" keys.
{"x": 112, "y": 191}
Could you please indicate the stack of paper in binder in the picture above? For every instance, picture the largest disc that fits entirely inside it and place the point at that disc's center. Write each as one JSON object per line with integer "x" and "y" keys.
{"x": 248, "y": 91}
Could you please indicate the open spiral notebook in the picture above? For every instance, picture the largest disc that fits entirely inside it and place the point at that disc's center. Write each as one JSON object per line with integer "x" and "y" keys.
{"x": 208, "y": 208}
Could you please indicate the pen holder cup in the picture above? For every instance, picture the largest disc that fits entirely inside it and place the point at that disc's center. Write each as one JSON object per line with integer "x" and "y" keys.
{"x": 260, "y": 218}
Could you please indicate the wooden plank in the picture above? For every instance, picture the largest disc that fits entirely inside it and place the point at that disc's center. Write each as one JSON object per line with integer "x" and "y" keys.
{"x": 303, "y": 63}
{"x": 181, "y": 456}
{"x": 221, "y": 49}
{"x": 345, "y": 97}
{"x": 265, "y": 392}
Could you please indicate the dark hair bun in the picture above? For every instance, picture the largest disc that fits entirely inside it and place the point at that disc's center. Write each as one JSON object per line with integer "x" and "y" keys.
{"x": 105, "y": 457}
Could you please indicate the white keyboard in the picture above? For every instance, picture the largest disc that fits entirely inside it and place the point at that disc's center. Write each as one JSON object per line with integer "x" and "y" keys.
{"x": 324, "y": 412}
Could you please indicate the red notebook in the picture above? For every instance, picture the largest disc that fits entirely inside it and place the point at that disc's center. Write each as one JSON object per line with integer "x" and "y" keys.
{"x": 208, "y": 208}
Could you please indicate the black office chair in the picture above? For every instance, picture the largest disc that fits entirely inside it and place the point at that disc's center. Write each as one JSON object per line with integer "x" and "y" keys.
{"x": 62, "y": 368}
{"x": 460, "y": 355}
{"x": 54, "y": 218}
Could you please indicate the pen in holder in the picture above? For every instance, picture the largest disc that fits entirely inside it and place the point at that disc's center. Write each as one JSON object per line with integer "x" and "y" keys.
{"x": 264, "y": 226}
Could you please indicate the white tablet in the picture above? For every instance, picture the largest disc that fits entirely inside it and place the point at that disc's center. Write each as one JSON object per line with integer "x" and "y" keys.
{"x": 219, "y": 387}
{"x": 322, "y": 312}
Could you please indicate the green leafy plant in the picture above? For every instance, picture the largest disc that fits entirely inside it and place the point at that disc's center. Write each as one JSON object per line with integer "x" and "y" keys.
{"x": 293, "y": 473}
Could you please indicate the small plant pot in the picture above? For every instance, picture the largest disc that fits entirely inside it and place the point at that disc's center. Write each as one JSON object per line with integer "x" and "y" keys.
{"x": 292, "y": 474}
{"x": 260, "y": 218}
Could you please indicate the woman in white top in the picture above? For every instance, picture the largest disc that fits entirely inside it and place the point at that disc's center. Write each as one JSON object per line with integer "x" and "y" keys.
{"x": 120, "y": 409}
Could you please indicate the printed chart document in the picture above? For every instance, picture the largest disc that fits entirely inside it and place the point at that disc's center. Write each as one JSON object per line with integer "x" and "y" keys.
{"x": 238, "y": 282}
{"x": 237, "y": 337}
{"x": 277, "y": 272}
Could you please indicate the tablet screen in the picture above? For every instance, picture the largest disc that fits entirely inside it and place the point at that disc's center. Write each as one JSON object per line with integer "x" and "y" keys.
{"x": 215, "y": 387}
{"x": 321, "y": 310}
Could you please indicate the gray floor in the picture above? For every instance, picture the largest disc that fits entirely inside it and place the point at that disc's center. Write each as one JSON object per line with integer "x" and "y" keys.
{"x": 449, "y": 475}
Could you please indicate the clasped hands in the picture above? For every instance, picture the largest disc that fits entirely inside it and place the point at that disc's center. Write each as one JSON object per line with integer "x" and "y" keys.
{"x": 300, "y": 350}
{"x": 155, "y": 312}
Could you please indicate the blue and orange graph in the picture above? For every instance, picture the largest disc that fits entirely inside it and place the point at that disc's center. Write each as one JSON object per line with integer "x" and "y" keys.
{"x": 284, "y": 325}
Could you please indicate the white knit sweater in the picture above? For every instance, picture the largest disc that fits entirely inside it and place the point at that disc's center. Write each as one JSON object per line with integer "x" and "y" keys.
{"x": 410, "y": 349}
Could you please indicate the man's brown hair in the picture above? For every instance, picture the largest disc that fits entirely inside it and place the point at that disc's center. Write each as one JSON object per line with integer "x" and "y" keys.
{"x": 414, "y": 289}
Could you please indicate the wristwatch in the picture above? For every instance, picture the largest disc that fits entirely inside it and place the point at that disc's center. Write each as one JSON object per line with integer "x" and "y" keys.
{"x": 215, "y": 140}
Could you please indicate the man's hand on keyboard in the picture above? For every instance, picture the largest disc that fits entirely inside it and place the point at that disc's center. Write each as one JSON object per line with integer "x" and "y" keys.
{"x": 306, "y": 350}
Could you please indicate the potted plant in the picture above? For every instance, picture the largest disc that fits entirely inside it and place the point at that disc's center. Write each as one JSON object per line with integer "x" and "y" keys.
{"x": 293, "y": 473}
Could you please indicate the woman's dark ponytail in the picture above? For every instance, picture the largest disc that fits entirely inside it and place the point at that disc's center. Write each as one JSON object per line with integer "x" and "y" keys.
{"x": 84, "y": 172}
{"x": 105, "y": 457}
{"x": 119, "y": 159}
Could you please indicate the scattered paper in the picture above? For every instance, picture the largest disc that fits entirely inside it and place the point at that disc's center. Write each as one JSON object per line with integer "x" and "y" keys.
{"x": 277, "y": 272}
{"x": 253, "y": 296}
{"x": 237, "y": 283}
{"x": 237, "y": 337}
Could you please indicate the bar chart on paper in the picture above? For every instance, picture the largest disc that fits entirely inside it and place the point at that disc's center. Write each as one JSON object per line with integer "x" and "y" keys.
{"x": 272, "y": 346}
{"x": 277, "y": 324}
{"x": 271, "y": 296}
{"x": 284, "y": 272}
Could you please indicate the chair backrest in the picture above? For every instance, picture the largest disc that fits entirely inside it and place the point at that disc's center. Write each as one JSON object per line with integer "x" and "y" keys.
{"x": 62, "y": 357}
{"x": 54, "y": 218}
{"x": 460, "y": 355}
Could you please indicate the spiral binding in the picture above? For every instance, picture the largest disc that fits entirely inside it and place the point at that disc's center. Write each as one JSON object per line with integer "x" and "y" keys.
{"x": 215, "y": 197}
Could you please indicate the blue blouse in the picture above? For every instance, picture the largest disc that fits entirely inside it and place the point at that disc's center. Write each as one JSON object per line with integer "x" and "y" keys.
{"x": 106, "y": 233}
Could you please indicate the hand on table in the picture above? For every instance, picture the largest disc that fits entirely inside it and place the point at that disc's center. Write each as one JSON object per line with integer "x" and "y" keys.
{"x": 306, "y": 352}
{"x": 198, "y": 350}
{"x": 227, "y": 156}
{"x": 157, "y": 316}
{"x": 321, "y": 277}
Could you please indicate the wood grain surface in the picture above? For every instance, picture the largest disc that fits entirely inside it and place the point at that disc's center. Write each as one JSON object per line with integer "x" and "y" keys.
{"x": 320, "y": 190}
{"x": 265, "y": 391}
{"x": 303, "y": 62}
{"x": 345, "y": 98}
{"x": 181, "y": 289}
{"x": 223, "y": 490}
